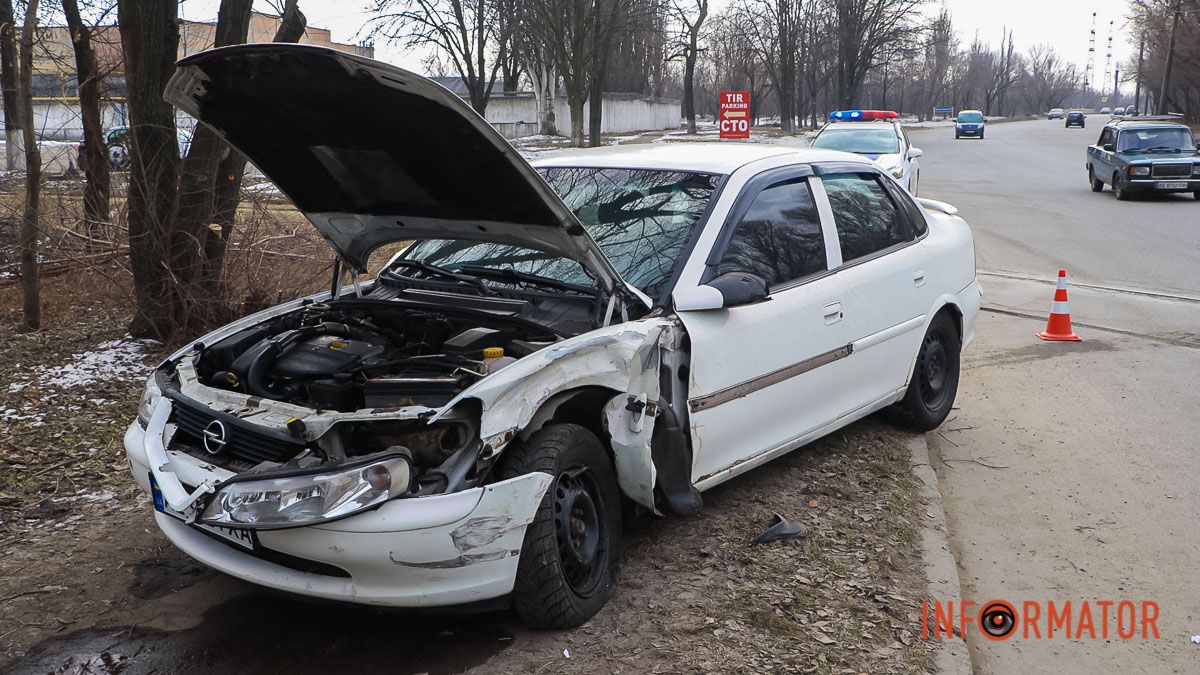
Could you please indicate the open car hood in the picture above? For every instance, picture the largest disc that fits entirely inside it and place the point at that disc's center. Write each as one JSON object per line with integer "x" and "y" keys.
{"x": 373, "y": 154}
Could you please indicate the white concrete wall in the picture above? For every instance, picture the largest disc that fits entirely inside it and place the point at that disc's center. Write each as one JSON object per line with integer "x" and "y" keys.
{"x": 622, "y": 114}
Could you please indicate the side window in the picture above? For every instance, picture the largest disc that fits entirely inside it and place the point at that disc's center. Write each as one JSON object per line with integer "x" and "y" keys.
{"x": 867, "y": 219}
{"x": 1106, "y": 137}
{"x": 916, "y": 217}
{"x": 779, "y": 238}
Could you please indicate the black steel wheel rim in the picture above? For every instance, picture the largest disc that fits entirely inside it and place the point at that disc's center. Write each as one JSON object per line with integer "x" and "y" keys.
{"x": 580, "y": 530}
{"x": 933, "y": 371}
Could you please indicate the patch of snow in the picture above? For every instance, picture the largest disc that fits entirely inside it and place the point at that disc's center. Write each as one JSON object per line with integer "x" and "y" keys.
{"x": 114, "y": 359}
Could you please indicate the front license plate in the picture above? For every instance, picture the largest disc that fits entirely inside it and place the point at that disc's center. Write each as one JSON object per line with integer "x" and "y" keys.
{"x": 1172, "y": 186}
{"x": 243, "y": 539}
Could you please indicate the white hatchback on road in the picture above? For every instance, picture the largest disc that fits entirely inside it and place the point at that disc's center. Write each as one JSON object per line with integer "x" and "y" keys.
{"x": 615, "y": 326}
{"x": 876, "y": 135}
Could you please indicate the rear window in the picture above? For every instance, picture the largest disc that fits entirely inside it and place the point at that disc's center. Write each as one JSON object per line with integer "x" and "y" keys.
{"x": 862, "y": 141}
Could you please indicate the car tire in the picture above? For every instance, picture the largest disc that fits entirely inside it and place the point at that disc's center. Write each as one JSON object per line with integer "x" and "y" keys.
{"x": 571, "y": 551}
{"x": 934, "y": 381}
{"x": 1196, "y": 194}
{"x": 1119, "y": 190}
{"x": 957, "y": 136}
{"x": 1096, "y": 183}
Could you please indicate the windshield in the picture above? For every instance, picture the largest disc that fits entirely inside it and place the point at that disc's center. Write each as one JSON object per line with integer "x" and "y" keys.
{"x": 1163, "y": 138}
{"x": 970, "y": 117}
{"x": 862, "y": 141}
{"x": 641, "y": 219}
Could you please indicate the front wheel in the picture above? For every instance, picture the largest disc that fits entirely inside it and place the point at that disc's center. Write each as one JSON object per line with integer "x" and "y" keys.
{"x": 1119, "y": 190}
{"x": 1097, "y": 184}
{"x": 1196, "y": 194}
{"x": 934, "y": 381}
{"x": 571, "y": 550}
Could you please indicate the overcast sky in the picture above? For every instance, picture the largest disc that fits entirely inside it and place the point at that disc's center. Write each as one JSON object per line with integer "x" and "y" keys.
{"x": 1061, "y": 23}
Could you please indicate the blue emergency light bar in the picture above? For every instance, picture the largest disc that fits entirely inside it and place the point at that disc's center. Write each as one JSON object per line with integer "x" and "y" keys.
{"x": 860, "y": 115}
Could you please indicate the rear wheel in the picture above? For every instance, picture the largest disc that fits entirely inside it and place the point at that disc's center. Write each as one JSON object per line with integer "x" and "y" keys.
{"x": 1196, "y": 194}
{"x": 1097, "y": 184}
{"x": 1119, "y": 191}
{"x": 571, "y": 550}
{"x": 934, "y": 381}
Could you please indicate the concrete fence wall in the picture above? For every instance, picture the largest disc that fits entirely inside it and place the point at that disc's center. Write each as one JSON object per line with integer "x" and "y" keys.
{"x": 516, "y": 115}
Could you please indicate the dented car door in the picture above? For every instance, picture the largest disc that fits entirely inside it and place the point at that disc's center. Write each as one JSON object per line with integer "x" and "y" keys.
{"x": 762, "y": 373}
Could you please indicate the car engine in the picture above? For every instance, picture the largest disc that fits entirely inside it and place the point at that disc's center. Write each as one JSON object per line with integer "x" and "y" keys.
{"x": 347, "y": 356}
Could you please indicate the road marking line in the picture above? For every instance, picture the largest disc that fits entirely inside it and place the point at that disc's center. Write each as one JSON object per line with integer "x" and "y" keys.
{"x": 1078, "y": 284}
{"x": 1108, "y": 329}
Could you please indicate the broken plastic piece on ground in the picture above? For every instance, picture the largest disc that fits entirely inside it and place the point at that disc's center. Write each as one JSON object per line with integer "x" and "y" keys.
{"x": 1196, "y": 639}
{"x": 781, "y": 528}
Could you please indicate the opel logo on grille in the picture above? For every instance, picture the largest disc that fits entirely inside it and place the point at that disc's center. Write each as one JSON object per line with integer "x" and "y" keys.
{"x": 215, "y": 437}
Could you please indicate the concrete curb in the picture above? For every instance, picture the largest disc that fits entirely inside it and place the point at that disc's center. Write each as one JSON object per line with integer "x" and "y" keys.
{"x": 941, "y": 572}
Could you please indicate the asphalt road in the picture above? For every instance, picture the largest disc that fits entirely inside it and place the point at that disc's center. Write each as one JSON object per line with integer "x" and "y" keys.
{"x": 1024, "y": 190}
{"x": 1068, "y": 470}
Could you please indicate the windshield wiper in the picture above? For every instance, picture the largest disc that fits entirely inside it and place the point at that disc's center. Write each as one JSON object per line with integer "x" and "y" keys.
{"x": 1163, "y": 148}
{"x": 511, "y": 275}
{"x": 443, "y": 272}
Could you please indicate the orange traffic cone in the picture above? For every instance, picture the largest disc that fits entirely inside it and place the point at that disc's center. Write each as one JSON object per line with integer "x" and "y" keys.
{"x": 1059, "y": 326}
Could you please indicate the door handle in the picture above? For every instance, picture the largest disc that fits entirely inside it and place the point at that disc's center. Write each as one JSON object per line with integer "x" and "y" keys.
{"x": 918, "y": 277}
{"x": 833, "y": 313}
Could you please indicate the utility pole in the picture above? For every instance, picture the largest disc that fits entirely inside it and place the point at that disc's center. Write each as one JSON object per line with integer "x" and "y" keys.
{"x": 1137, "y": 89}
{"x": 1163, "y": 108}
{"x": 1116, "y": 84}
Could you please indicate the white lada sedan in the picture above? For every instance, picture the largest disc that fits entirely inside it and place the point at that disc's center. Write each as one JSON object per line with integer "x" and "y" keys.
{"x": 626, "y": 326}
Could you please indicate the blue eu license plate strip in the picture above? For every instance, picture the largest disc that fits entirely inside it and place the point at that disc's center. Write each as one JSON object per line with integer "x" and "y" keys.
{"x": 243, "y": 539}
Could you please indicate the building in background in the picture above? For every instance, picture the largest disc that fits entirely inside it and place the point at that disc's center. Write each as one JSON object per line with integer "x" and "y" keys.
{"x": 56, "y": 89}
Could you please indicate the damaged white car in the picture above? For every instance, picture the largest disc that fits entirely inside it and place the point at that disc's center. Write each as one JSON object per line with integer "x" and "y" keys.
{"x": 615, "y": 328}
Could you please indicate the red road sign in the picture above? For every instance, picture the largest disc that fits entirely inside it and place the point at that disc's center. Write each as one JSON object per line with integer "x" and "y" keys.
{"x": 734, "y": 114}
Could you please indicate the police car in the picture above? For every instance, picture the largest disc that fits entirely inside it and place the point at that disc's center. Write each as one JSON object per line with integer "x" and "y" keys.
{"x": 877, "y": 135}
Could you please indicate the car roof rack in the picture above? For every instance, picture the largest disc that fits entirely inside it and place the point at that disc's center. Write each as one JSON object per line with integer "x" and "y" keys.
{"x": 1169, "y": 117}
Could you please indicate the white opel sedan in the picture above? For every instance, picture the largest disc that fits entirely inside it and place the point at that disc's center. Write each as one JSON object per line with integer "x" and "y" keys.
{"x": 614, "y": 327}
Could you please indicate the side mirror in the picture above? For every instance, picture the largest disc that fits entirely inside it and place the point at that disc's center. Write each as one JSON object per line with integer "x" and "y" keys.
{"x": 1109, "y": 147}
{"x": 914, "y": 153}
{"x": 731, "y": 289}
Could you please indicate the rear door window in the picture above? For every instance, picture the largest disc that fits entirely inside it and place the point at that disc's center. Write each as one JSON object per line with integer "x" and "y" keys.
{"x": 867, "y": 219}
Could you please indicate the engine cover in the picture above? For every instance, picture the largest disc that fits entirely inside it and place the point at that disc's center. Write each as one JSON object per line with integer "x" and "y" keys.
{"x": 323, "y": 355}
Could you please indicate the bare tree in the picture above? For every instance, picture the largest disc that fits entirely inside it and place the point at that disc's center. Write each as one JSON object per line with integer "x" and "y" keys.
{"x": 33, "y": 178}
{"x": 231, "y": 169}
{"x": 8, "y": 80}
{"x": 468, "y": 33}
{"x": 690, "y": 14}
{"x": 863, "y": 28}
{"x": 1049, "y": 79}
{"x": 95, "y": 163}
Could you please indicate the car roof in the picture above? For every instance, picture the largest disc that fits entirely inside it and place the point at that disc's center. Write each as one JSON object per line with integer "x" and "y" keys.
{"x": 708, "y": 157}
{"x": 1146, "y": 124}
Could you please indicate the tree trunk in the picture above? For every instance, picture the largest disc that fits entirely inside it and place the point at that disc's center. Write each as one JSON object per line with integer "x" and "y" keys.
{"x": 8, "y": 80}
{"x": 576, "y": 104}
{"x": 227, "y": 191}
{"x": 689, "y": 96}
{"x": 150, "y": 44}
{"x": 197, "y": 184}
{"x": 596, "y": 109}
{"x": 95, "y": 164}
{"x": 33, "y": 179}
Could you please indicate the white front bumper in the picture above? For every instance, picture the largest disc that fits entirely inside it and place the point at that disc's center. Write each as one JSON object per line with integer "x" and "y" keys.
{"x": 419, "y": 552}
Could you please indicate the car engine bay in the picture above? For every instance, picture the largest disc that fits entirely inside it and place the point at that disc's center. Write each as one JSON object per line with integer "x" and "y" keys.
{"x": 347, "y": 356}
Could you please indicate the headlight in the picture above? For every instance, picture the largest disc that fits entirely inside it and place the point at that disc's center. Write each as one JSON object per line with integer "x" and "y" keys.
{"x": 308, "y": 498}
{"x": 1139, "y": 171}
{"x": 1196, "y": 169}
{"x": 150, "y": 396}
{"x": 897, "y": 171}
